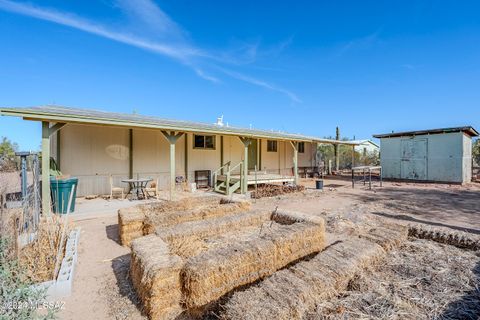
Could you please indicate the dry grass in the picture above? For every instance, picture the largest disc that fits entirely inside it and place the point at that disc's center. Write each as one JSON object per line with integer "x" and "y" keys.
{"x": 39, "y": 256}
{"x": 421, "y": 280}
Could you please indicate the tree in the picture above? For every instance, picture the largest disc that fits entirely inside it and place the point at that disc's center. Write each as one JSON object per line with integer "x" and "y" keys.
{"x": 7, "y": 154}
{"x": 476, "y": 152}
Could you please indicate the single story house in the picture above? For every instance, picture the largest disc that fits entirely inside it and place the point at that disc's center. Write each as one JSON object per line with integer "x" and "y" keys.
{"x": 441, "y": 155}
{"x": 95, "y": 145}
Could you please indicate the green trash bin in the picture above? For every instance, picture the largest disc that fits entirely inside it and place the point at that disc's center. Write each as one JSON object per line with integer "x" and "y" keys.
{"x": 60, "y": 190}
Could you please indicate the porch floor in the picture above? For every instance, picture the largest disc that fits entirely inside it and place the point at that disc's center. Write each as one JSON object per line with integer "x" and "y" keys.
{"x": 266, "y": 178}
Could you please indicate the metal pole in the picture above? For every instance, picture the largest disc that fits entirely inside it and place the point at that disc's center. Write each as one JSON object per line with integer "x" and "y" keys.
{"x": 256, "y": 187}
{"x": 46, "y": 168}
{"x": 370, "y": 178}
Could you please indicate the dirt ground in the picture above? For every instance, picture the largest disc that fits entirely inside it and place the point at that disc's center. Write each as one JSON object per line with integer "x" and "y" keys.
{"x": 102, "y": 289}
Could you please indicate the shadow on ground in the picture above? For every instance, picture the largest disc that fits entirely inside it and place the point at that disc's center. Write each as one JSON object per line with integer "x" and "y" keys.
{"x": 126, "y": 291}
{"x": 112, "y": 233}
{"x": 468, "y": 306}
{"x": 444, "y": 206}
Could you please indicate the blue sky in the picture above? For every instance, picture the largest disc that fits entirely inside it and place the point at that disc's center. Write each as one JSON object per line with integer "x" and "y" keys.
{"x": 302, "y": 67}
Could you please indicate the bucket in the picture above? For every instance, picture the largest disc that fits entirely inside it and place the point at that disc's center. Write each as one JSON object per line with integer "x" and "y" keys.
{"x": 319, "y": 184}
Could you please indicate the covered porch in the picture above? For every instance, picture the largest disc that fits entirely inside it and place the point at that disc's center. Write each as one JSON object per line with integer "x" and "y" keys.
{"x": 102, "y": 148}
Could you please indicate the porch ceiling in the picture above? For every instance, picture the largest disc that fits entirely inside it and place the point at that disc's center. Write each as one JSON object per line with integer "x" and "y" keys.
{"x": 53, "y": 113}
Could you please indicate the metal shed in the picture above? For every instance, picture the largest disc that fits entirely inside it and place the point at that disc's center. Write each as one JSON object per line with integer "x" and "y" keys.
{"x": 440, "y": 155}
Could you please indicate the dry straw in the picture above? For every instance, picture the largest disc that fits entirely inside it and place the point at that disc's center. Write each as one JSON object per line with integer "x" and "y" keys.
{"x": 143, "y": 219}
{"x": 207, "y": 211}
{"x": 212, "y": 274}
{"x": 212, "y": 227}
{"x": 458, "y": 239}
{"x": 291, "y": 292}
{"x": 155, "y": 274}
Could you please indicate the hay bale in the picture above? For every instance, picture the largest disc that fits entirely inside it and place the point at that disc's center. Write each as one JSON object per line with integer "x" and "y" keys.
{"x": 155, "y": 275}
{"x": 183, "y": 204}
{"x": 212, "y": 227}
{"x": 386, "y": 235}
{"x": 458, "y": 239}
{"x": 130, "y": 224}
{"x": 291, "y": 292}
{"x": 211, "y": 275}
{"x": 201, "y": 212}
{"x": 290, "y": 217}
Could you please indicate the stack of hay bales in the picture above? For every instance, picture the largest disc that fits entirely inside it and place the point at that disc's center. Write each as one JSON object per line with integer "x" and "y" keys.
{"x": 220, "y": 208}
{"x": 212, "y": 227}
{"x": 155, "y": 275}
{"x": 143, "y": 219}
{"x": 210, "y": 275}
{"x": 291, "y": 292}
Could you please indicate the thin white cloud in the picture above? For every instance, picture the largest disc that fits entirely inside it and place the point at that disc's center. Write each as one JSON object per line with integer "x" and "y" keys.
{"x": 360, "y": 43}
{"x": 261, "y": 83}
{"x": 151, "y": 14}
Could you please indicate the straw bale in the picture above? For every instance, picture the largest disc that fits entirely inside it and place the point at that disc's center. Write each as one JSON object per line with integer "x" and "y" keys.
{"x": 458, "y": 239}
{"x": 212, "y": 227}
{"x": 210, "y": 275}
{"x": 201, "y": 212}
{"x": 155, "y": 275}
{"x": 183, "y": 204}
{"x": 130, "y": 224}
{"x": 386, "y": 235}
{"x": 289, "y": 217}
{"x": 291, "y": 292}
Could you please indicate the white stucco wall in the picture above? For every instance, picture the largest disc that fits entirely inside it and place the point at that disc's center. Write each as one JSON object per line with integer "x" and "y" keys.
{"x": 446, "y": 160}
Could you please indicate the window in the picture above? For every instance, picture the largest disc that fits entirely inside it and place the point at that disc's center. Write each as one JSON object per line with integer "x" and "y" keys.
{"x": 301, "y": 147}
{"x": 271, "y": 146}
{"x": 204, "y": 142}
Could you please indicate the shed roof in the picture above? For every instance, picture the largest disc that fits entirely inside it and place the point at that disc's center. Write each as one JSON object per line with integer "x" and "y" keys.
{"x": 466, "y": 129}
{"x": 63, "y": 114}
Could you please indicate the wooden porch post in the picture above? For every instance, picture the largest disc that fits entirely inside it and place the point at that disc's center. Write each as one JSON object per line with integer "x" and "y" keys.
{"x": 46, "y": 168}
{"x": 295, "y": 161}
{"x": 47, "y": 132}
{"x": 172, "y": 138}
{"x": 246, "y": 143}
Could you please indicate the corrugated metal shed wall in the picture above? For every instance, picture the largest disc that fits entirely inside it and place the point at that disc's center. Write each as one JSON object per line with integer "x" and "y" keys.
{"x": 448, "y": 157}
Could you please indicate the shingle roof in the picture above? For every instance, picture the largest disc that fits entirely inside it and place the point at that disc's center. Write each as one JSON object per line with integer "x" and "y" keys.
{"x": 75, "y": 115}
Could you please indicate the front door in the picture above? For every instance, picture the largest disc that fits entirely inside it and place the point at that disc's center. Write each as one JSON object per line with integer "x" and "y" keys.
{"x": 252, "y": 155}
{"x": 414, "y": 159}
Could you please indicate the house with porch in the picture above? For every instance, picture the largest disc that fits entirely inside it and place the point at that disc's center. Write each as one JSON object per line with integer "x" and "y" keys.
{"x": 97, "y": 146}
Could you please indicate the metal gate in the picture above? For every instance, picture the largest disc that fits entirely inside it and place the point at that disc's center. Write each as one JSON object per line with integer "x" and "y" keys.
{"x": 414, "y": 159}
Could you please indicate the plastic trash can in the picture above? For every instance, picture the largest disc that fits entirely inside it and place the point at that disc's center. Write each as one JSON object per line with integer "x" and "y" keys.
{"x": 319, "y": 184}
{"x": 60, "y": 190}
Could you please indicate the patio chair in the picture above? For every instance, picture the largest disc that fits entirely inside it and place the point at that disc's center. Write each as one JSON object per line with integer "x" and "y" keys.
{"x": 152, "y": 190}
{"x": 114, "y": 189}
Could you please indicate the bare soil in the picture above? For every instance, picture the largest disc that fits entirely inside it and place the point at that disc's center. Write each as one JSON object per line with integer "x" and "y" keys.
{"x": 102, "y": 289}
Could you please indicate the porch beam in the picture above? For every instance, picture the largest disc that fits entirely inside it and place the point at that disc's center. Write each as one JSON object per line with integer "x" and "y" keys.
{"x": 246, "y": 143}
{"x": 46, "y": 168}
{"x": 172, "y": 138}
{"x": 55, "y": 127}
{"x": 295, "y": 161}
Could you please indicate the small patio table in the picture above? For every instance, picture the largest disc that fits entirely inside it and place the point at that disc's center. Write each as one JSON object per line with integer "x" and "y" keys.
{"x": 137, "y": 186}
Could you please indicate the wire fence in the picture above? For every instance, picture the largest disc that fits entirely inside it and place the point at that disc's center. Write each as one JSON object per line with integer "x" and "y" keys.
{"x": 20, "y": 201}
